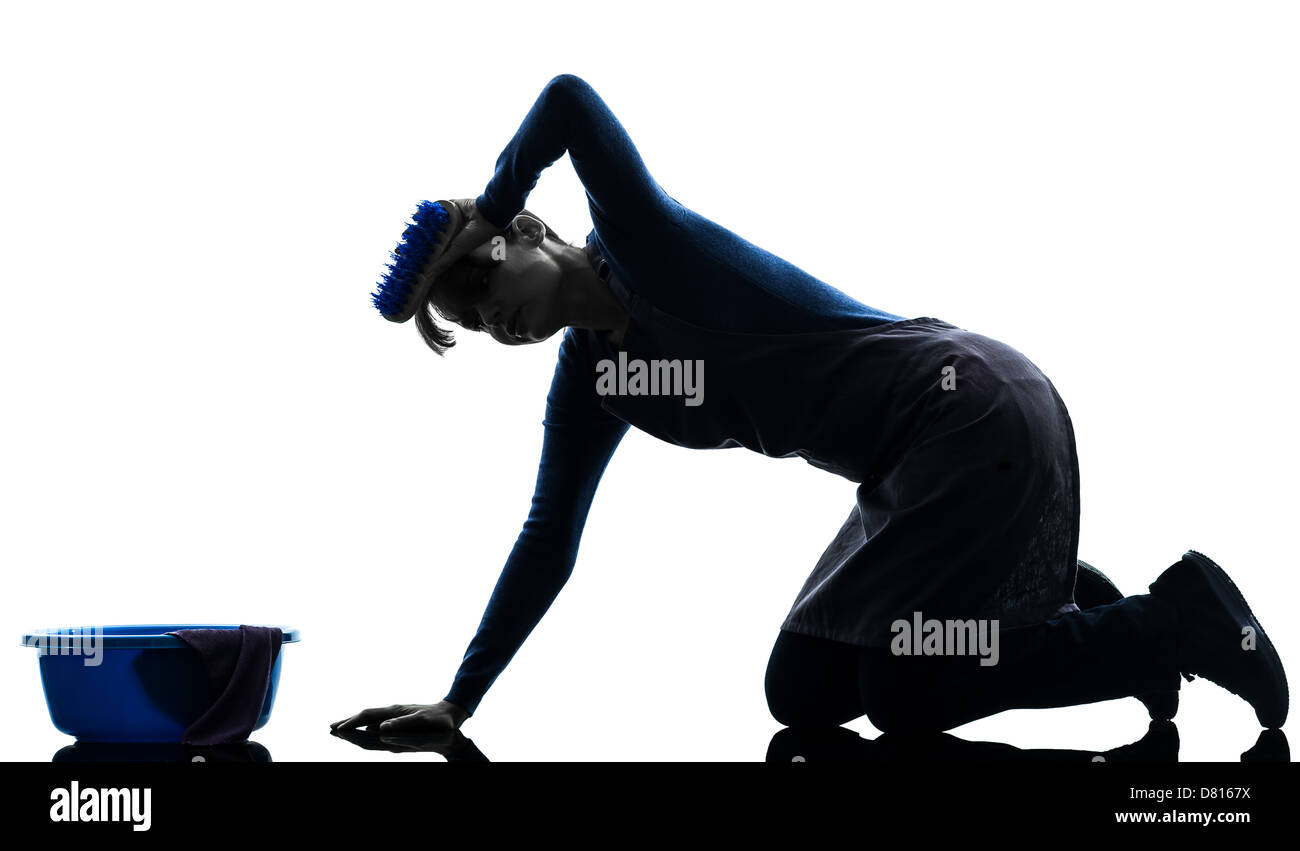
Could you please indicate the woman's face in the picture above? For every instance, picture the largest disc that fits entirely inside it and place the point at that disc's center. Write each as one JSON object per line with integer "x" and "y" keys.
{"x": 507, "y": 287}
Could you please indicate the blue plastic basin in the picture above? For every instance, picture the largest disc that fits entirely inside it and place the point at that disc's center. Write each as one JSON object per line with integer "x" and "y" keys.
{"x": 146, "y": 686}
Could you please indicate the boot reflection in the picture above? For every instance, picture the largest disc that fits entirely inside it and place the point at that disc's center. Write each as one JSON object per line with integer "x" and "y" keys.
{"x": 838, "y": 744}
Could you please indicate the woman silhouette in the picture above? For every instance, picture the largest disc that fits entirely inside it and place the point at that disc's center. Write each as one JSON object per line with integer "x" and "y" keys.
{"x": 967, "y": 508}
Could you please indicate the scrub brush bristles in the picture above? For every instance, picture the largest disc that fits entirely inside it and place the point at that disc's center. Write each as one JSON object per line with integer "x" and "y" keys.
{"x": 405, "y": 286}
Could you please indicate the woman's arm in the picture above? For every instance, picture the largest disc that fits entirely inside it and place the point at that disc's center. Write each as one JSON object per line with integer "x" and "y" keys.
{"x": 569, "y": 116}
{"x": 579, "y": 440}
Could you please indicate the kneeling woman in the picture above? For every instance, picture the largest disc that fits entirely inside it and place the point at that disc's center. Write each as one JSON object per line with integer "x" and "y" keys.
{"x": 967, "y": 506}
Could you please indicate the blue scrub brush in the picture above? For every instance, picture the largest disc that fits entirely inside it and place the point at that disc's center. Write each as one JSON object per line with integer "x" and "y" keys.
{"x": 405, "y": 286}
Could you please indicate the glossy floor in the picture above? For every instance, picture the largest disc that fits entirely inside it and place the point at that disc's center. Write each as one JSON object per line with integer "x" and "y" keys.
{"x": 1208, "y": 728}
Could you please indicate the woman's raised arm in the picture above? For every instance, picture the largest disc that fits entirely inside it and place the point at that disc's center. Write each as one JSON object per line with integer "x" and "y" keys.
{"x": 569, "y": 116}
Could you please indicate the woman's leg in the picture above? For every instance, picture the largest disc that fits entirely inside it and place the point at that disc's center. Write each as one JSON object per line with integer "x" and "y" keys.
{"x": 1104, "y": 653}
{"x": 813, "y": 681}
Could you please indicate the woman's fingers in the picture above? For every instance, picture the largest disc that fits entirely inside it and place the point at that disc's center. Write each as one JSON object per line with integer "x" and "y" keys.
{"x": 424, "y": 719}
{"x": 411, "y": 721}
{"x": 468, "y": 207}
{"x": 406, "y": 718}
{"x": 348, "y": 723}
{"x": 351, "y": 723}
{"x": 476, "y": 231}
{"x": 369, "y": 716}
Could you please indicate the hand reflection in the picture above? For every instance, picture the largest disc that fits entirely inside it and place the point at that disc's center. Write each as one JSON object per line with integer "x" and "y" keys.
{"x": 451, "y": 744}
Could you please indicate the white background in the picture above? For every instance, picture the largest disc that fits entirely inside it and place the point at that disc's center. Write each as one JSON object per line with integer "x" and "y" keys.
{"x": 207, "y": 422}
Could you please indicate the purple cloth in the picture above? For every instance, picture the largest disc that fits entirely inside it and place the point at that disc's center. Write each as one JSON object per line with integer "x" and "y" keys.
{"x": 238, "y": 664}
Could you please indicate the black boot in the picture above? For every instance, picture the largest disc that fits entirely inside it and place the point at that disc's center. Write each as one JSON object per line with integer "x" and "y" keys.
{"x": 1270, "y": 747}
{"x": 1160, "y": 744}
{"x": 1094, "y": 588}
{"x": 1220, "y": 639}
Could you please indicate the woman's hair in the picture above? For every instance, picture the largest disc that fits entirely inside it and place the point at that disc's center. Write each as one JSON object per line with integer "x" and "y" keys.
{"x": 437, "y": 337}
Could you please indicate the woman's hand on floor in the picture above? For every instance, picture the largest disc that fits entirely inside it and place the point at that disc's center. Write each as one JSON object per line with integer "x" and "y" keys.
{"x": 406, "y": 718}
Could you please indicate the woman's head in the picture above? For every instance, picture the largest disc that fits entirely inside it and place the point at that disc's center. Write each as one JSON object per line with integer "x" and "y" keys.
{"x": 508, "y": 287}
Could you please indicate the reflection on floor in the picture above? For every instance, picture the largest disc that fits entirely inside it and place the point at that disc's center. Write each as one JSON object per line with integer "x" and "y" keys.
{"x": 791, "y": 744}
{"x": 451, "y": 744}
{"x": 838, "y": 744}
{"x": 127, "y": 752}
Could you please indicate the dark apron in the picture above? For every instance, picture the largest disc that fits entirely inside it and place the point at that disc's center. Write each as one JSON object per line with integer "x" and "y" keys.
{"x": 968, "y": 489}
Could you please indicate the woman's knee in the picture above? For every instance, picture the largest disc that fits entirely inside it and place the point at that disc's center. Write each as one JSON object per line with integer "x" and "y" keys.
{"x": 787, "y": 696}
{"x": 811, "y": 681}
{"x": 784, "y": 702}
{"x": 793, "y": 707}
{"x": 899, "y": 696}
{"x": 896, "y": 710}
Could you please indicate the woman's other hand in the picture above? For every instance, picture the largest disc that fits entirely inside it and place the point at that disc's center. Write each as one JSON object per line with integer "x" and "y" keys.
{"x": 474, "y": 231}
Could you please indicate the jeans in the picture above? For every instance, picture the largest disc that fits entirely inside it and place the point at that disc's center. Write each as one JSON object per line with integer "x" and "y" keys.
{"x": 1102, "y": 653}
